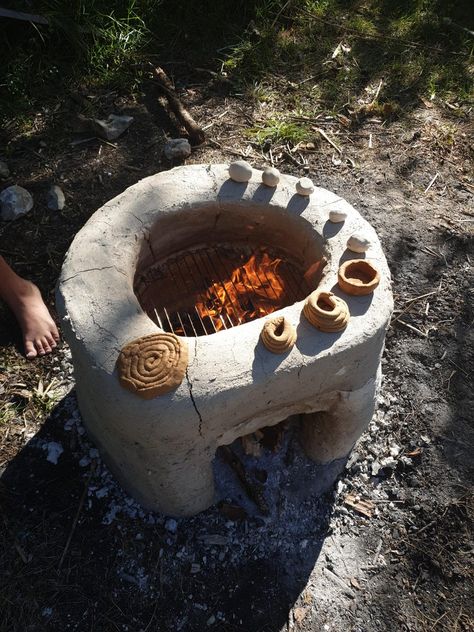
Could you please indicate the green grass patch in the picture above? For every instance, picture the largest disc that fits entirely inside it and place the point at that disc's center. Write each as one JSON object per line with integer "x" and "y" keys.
{"x": 278, "y": 130}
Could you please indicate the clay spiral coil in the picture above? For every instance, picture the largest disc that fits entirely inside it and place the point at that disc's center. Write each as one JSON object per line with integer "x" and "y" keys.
{"x": 153, "y": 365}
{"x": 358, "y": 277}
{"x": 326, "y": 312}
{"x": 278, "y": 335}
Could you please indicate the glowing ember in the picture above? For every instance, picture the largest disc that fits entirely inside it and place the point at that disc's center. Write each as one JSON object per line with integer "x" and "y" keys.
{"x": 253, "y": 290}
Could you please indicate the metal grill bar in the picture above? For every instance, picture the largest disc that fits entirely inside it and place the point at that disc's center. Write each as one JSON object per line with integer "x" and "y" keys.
{"x": 195, "y": 293}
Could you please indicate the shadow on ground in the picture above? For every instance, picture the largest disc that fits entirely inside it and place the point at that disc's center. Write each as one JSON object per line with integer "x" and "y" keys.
{"x": 77, "y": 551}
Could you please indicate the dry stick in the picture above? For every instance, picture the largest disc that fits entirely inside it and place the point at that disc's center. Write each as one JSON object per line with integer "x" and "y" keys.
{"x": 432, "y": 181}
{"x": 377, "y": 92}
{"x": 326, "y": 138}
{"x": 76, "y": 517}
{"x": 411, "y": 302}
{"x": 253, "y": 490}
{"x": 196, "y": 134}
{"x": 219, "y": 116}
{"x": 415, "y": 329}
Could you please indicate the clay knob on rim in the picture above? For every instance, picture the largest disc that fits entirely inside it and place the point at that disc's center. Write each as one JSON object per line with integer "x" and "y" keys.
{"x": 270, "y": 176}
{"x": 240, "y": 171}
{"x": 358, "y": 277}
{"x": 305, "y": 186}
{"x": 359, "y": 242}
{"x": 326, "y": 312}
{"x": 278, "y": 335}
{"x": 153, "y": 365}
{"x": 337, "y": 215}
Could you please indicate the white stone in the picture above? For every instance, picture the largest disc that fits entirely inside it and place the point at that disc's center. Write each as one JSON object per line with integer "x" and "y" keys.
{"x": 305, "y": 186}
{"x": 4, "y": 170}
{"x": 270, "y": 176}
{"x": 240, "y": 171}
{"x": 55, "y": 198}
{"x": 161, "y": 450}
{"x": 359, "y": 242}
{"x": 114, "y": 126}
{"x": 337, "y": 215}
{"x": 177, "y": 149}
{"x": 15, "y": 201}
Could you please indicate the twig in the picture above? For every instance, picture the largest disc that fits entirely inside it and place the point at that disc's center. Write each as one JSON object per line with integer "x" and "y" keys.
{"x": 409, "y": 304}
{"x": 76, "y": 517}
{"x": 432, "y": 181}
{"x": 415, "y": 329}
{"x": 327, "y": 139}
{"x": 196, "y": 133}
{"x": 453, "y": 373}
{"x": 219, "y": 116}
{"x": 377, "y": 92}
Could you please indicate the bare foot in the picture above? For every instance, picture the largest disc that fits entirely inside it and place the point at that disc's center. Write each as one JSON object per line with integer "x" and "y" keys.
{"x": 40, "y": 334}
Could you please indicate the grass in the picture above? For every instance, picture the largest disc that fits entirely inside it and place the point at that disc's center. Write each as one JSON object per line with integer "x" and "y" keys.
{"x": 276, "y": 130}
{"x": 415, "y": 47}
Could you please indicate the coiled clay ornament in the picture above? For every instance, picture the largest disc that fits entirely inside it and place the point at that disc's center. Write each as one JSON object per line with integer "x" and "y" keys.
{"x": 358, "y": 277}
{"x": 153, "y": 365}
{"x": 278, "y": 335}
{"x": 326, "y": 312}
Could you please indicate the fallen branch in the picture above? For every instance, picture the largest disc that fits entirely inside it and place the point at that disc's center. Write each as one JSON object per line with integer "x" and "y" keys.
{"x": 196, "y": 133}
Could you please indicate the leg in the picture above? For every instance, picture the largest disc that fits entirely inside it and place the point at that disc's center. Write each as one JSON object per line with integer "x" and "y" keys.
{"x": 331, "y": 434}
{"x": 176, "y": 485}
{"x": 24, "y": 299}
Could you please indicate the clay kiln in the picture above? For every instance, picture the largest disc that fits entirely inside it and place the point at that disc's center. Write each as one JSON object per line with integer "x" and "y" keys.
{"x": 185, "y": 268}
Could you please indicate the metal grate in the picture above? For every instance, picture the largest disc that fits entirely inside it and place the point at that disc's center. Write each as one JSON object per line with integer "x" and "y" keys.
{"x": 209, "y": 289}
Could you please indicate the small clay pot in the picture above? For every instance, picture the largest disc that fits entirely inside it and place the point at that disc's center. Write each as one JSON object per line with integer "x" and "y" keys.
{"x": 278, "y": 335}
{"x": 358, "y": 277}
{"x": 326, "y": 312}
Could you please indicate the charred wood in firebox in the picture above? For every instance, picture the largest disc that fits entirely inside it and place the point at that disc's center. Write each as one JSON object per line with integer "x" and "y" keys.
{"x": 253, "y": 490}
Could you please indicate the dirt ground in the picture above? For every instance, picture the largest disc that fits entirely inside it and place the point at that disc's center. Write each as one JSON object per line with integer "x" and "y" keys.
{"x": 77, "y": 554}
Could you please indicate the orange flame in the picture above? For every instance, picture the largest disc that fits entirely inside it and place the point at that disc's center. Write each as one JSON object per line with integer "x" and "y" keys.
{"x": 254, "y": 290}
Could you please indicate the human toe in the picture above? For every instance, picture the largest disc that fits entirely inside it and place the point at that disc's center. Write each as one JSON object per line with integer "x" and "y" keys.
{"x": 30, "y": 350}
{"x": 39, "y": 346}
{"x": 46, "y": 345}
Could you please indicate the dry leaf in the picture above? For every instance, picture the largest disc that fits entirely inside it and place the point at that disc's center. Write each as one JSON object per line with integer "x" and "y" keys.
{"x": 299, "y": 614}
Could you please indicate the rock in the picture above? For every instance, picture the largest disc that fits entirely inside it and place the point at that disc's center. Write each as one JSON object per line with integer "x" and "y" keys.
{"x": 171, "y": 525}
{"x": 4, "y": 170}
{"x": 55, "y": 198}
{"x": 15, "y": 201}
{"x": 270, "y": 176}
{"x": 305, "y": 186}
{"x": 240, "y": 171}
{"x": 113, "y": 127}
{"x": 337, "y": 215}
{"x": 358, "y": 242}
{"x": 177, "y": 149}
{"x": 54, "y": 450}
